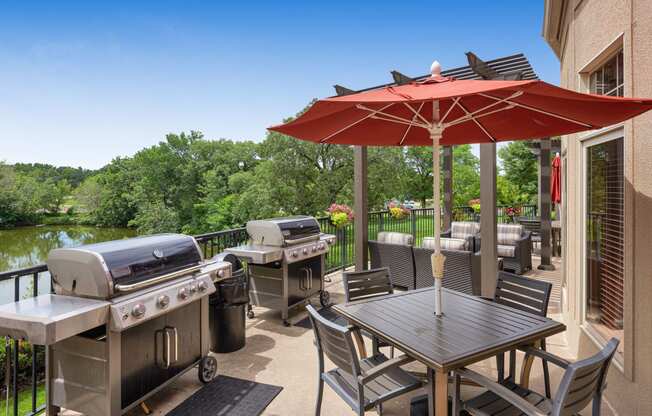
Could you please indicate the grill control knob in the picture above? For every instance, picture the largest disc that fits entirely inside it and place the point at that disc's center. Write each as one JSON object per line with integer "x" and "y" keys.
{"x": 321, "y": 246}
{"x": 295, "y": 253}
{"x": 138, "y": 310}
{"x": 163, "y": 301}
{"x": 202, "y": 286}
{"x": 314, "y": 249}
{"x": 305, "y": 250}
{"x": 220, "y": 273}
{"x": 193, "y": 289}
{"x": 184, "y": 293}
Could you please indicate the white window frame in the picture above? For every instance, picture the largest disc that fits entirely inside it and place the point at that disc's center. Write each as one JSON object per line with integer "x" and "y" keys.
{"x": 589, "y": 140}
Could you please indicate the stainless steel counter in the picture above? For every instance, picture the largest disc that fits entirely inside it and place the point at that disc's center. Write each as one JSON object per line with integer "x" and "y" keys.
{"x": 47, "y": 319}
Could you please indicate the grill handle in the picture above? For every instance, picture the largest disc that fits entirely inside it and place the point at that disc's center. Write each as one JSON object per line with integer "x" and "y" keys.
{"x": 162, "y": 278}
{"x": 166, "y": 337}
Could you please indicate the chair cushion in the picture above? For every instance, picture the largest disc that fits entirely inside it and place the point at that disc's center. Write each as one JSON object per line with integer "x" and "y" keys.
{"x": 391, "y": 237}
{"x": 508, "y": 234}
{"x": 464, "y": 229}
{"x": 446, "y": 243}
{"x": 506, "y": 251}
{"x": 490, "y": 403}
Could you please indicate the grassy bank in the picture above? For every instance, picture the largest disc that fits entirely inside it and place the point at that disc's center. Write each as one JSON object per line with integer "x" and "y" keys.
{"x": 24, "y": 400}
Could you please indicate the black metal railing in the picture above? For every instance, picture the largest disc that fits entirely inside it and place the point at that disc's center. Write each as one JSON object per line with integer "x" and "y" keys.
{"x": 418, "y": 222}
{"x": 31, "y": 367}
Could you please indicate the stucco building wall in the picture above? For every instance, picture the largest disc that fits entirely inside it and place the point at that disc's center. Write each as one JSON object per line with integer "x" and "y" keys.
{"x": 586, "y": 32}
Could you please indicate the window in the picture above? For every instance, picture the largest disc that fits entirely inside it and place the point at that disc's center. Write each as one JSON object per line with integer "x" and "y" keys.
{"x": 604, "y": 237}
{"x": 608, "y": 79}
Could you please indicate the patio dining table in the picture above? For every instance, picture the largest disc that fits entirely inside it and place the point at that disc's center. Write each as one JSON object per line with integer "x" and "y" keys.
{"x": 470, "y": 330}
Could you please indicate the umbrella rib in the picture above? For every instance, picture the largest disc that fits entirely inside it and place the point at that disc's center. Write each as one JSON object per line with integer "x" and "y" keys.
{"x": 417, "y": 113}
{"x": 400, "y": 121}
{"x": 488, "y": 113}
{"x": 470, "y": 115}
{"x": 537, "y": 110}
{"x": 477, "y": 122}
{"x": 362, "y": 107}
{"x": 353, "y": 124}
{"x": 455, "y": 101}
{"x": 410, "y": 126}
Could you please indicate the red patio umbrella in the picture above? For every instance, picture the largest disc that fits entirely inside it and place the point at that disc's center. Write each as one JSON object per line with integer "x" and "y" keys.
{"x": 555, "y": 180}
{"x": 443, "y": 110}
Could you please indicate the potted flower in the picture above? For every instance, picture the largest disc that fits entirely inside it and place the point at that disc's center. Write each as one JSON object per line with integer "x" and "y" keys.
{"x": 475, "y": 206}
{"x": 398, "y": 211}
{"x": 340, "y": 215}
{"x": 512, "y": 212}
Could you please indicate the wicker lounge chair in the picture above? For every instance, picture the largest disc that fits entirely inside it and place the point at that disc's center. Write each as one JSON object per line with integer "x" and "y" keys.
{"x": 514, "y": 247}
{"x": 464, "y": 230}
{"x": 461, "y": 270}
{"x": 394, "y": 251}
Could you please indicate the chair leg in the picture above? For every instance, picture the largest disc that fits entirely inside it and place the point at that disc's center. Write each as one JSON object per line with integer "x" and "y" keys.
{"x": 375, "y": 350}
{"x": 597, "y": 405}
{"x": 512, "y": 365}
{"x": 500, "y": 366}
{"x": 457, "y": 402}
{"x": 391, "y": 351}
{"x": 320, "y": 393}
{"x": 379, "y": 409}
{"x": 546, "y": 372}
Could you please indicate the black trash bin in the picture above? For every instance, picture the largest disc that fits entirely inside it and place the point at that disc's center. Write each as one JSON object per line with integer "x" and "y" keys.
{"x": 227, "y": 308}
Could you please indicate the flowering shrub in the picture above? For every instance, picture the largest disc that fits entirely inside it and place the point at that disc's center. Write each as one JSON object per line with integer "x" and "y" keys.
{"x": 397, "y": 211}
{"x": 475, "y": 204}
{"x": 340, "y": 215}
{"x": 512, "y": 212}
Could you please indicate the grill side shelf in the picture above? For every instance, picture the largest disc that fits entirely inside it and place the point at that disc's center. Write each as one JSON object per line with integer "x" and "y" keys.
{"x": 47, "y": 319}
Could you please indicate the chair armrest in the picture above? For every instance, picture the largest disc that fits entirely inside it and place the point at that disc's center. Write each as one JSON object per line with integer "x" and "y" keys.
{"x": 446, "y": 234}
{"x": 546, "y": 356}
{"x": 526, "y": 236}
{"x": 502, "y": 391}
{"x": 384, "y": 367}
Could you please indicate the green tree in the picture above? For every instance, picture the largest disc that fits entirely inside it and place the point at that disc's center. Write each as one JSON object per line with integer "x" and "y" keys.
{"x": 519, "y": 168}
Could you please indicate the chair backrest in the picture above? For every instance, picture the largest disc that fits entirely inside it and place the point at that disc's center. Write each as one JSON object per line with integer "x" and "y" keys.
{"x": 367, "y": 284}
{"x": 464, "y": 229}
{"x": 392, "y": 237}
{"x": 508, "y": 233}
{"x": 336, "y": 342}
{"x": 583, "y": 382}
{"x": 523, "y": 293}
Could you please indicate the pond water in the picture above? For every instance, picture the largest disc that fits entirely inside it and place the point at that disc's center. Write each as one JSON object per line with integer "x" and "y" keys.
{"x": 29, "y": 246}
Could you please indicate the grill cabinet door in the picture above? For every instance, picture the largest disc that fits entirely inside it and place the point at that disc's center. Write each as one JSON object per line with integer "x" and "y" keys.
{"x": 145, "y": 351}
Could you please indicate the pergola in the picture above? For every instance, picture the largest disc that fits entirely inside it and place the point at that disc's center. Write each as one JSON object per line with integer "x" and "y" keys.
{"x": 514, "y": 67}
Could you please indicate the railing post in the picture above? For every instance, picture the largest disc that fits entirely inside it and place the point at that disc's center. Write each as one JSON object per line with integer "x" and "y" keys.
{"x": 413, "y": 218}
{"x": 381, "y": 221}
{"x": 343, "y": 248}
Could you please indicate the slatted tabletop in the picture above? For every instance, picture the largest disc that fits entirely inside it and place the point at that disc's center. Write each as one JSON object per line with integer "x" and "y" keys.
{"x": 471, "y": 329}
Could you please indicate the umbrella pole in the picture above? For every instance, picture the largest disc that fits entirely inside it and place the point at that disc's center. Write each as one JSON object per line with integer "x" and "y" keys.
{"x": 437, "y": 258}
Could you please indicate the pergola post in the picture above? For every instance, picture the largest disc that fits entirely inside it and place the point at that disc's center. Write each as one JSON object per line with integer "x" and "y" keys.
{"x": 544, "y": 204}
{"x": 448, "y": 187}
{"x": 488, "y": 226}
{"x": 360, "y": 205}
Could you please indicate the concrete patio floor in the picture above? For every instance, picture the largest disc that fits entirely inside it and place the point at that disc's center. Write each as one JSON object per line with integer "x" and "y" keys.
{"x": 286, "y": 357}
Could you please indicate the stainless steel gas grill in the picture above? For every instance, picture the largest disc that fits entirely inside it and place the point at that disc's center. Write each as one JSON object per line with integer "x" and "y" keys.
{"x": 285, "y": 259}
{"x": 127, "y": 318}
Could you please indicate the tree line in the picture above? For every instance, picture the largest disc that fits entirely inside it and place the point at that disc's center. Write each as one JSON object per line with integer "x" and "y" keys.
{"x": 189, "y": 184}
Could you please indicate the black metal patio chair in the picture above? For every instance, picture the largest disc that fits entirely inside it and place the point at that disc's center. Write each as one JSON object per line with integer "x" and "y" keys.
{"x": 364, "y": 384}
{"x": 367, "y": 284}
{"x": 583, "y": 382}
{"x": 528, "y": 295}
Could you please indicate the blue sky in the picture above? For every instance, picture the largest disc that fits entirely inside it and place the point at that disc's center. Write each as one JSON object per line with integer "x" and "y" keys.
{"x": 84, "y": 82}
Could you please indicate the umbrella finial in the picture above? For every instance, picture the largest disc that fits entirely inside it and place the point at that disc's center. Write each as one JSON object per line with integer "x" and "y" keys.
{"x": 435, "y": 69}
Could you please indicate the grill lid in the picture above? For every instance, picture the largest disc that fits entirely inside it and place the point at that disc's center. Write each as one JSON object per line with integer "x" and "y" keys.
{"x": 94, "y": 270}
{"x": 284, "y": 230}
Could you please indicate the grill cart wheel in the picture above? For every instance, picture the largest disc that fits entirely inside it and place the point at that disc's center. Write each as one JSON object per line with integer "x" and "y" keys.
{"x": 207, "y": 369}
{"x": 325, "y": 298}
{"x": 250, "y": 312}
